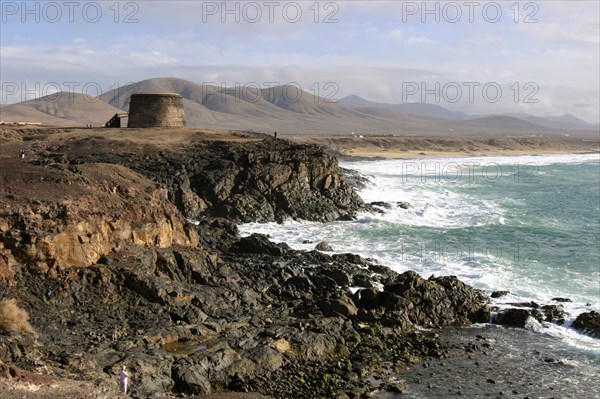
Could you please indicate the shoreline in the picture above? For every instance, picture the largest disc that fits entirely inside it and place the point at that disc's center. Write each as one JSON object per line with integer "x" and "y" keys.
{"x": 411, "y": 155}
{"x": 411, "y": 147}
{"x": 497, "y": 361}
{"x": 205, "y": 309}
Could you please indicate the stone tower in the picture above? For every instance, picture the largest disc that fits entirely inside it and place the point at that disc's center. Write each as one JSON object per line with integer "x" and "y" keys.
{"x": 156, "y": 110}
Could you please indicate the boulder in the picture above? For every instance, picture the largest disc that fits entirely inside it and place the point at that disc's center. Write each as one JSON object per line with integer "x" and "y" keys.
{"x": 259, "y": 244}
{"x": 531, "y": 304}
{"x": 367, "y": 298}
{"x": 338, "y": 307}
{"x": 512, "y": 318}
{"x": 381, "y": 204}
{"x": 323, "y": 246}
{"x": 589, "y": 323}
{"x": 404, "y": 205}
{"x": 339, "y": 276}
{"x": 554, "y": 313}
{"x": 559, "y": 299}
{"x": 360, "y": 280}
{"x": 151, "y": 372}
{"x": 191, "y": 379}
{"x": 323, "y": 283}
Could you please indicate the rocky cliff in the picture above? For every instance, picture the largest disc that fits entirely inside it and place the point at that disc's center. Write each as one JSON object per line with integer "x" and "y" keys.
{"x": 126, "y": 253}
{"x": 261, "y": 180}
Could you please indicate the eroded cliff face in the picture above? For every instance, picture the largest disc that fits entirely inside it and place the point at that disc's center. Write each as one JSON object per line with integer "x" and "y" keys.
{"x": 273, "y": 180}
{"x": 54, "y": 216}
{"x": 263, "y": 180}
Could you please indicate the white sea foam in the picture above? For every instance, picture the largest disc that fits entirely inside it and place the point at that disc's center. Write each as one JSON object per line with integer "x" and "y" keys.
{"x": 418, "y": 166}
{"x": 572, "y": 337}
{"x": 430, "y": 205}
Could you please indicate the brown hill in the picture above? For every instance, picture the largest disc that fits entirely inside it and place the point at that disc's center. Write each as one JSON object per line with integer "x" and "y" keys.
{"x": 23, "y": 113}
{"x": 60, "y": 109}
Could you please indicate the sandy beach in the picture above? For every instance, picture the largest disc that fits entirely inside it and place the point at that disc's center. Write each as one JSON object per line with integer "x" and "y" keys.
{"x": 456, "y": 146}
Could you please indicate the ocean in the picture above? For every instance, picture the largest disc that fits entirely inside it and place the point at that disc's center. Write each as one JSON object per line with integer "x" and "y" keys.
{"x": 529, "y": 225}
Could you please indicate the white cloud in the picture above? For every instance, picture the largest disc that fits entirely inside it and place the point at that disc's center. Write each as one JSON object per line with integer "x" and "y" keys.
{"x": 369, "y": 52}
{"x": 586, "y": 33}
{"x": 395, "y": 34}
{"x": 485, "y": 39}
{"x": 419, "y": 40}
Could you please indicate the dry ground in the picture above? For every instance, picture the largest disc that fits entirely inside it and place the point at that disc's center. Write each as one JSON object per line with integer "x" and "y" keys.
{"x": 12, "y": 140}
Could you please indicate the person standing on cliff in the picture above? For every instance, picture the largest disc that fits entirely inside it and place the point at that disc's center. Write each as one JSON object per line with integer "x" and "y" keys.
{"x": 123, "y": 380}
{"x": 22, "y": 154}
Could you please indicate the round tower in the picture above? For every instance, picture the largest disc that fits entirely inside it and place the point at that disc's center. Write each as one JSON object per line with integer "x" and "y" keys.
{"x": 156, "y": 110}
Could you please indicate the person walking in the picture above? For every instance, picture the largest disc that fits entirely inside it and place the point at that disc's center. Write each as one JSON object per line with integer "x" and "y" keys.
{"x": 123, "y": 380}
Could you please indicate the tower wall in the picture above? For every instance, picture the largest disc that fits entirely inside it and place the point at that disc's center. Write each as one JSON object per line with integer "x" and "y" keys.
{"x": 156, "y": 110}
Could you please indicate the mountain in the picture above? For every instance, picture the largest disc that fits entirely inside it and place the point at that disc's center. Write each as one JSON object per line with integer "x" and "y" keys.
{"x": 566, "y": 121}
{"x": 245, "y": 101}
{"x": 286, "y": 109}
{"x": 567, "y": 118}
{"x": 421, "y": 109}
{"x": 60, "y": 109}
{"x": 499, "y": 122}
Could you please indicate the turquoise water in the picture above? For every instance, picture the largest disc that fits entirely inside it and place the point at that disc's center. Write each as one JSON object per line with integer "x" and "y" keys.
{"x": 529, "y": 225}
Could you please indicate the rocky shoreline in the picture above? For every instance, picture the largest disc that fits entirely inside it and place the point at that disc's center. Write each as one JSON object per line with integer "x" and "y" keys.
{"x": 126, "y": 253}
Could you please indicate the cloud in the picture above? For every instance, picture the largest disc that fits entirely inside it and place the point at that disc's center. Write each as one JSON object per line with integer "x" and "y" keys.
{"x": 485, "y": 39}
{"x": 369, "y": 51}
{"x": 586, "y": 33}
{"x": 419, "y": 40}
{"x": 395, "y": 34}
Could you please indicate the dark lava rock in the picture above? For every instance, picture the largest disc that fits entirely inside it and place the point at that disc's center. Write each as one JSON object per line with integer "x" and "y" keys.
{"x": 260, "y": 244}
{"x": 263, "y": 181}
{"x": 589, "y": 323}
{"x": 558, "y": 299}
{"x": 499, "y": 294}
{"x": 339, "y": 276}
{"x": 323, "y": 246}
{"x": 512, "y": 317}
{"x": 191, "y": 380}
{"x": 404, "y": 205}
{"x": 338, "y": 307}
{"x": 355, "y": 178}
{"x": 367, "y": 298}
{"x": 360, "y": 280}
{"x": 554, "y": 313}
{"x": 381, "y": 204}
{"x": 533, "y": 305}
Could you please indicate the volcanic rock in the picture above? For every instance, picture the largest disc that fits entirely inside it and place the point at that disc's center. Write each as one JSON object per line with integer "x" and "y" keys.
{"x": 589, "y": 323}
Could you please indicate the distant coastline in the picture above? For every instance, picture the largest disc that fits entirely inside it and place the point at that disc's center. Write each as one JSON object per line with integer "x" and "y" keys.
{"x": 411, "y": 147}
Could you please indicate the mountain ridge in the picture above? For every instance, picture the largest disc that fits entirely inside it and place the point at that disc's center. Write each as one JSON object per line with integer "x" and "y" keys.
{"x": 287, "y": 109}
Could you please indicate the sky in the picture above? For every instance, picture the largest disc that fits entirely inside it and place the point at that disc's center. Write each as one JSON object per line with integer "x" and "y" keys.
{"x": 480, "y": 57}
